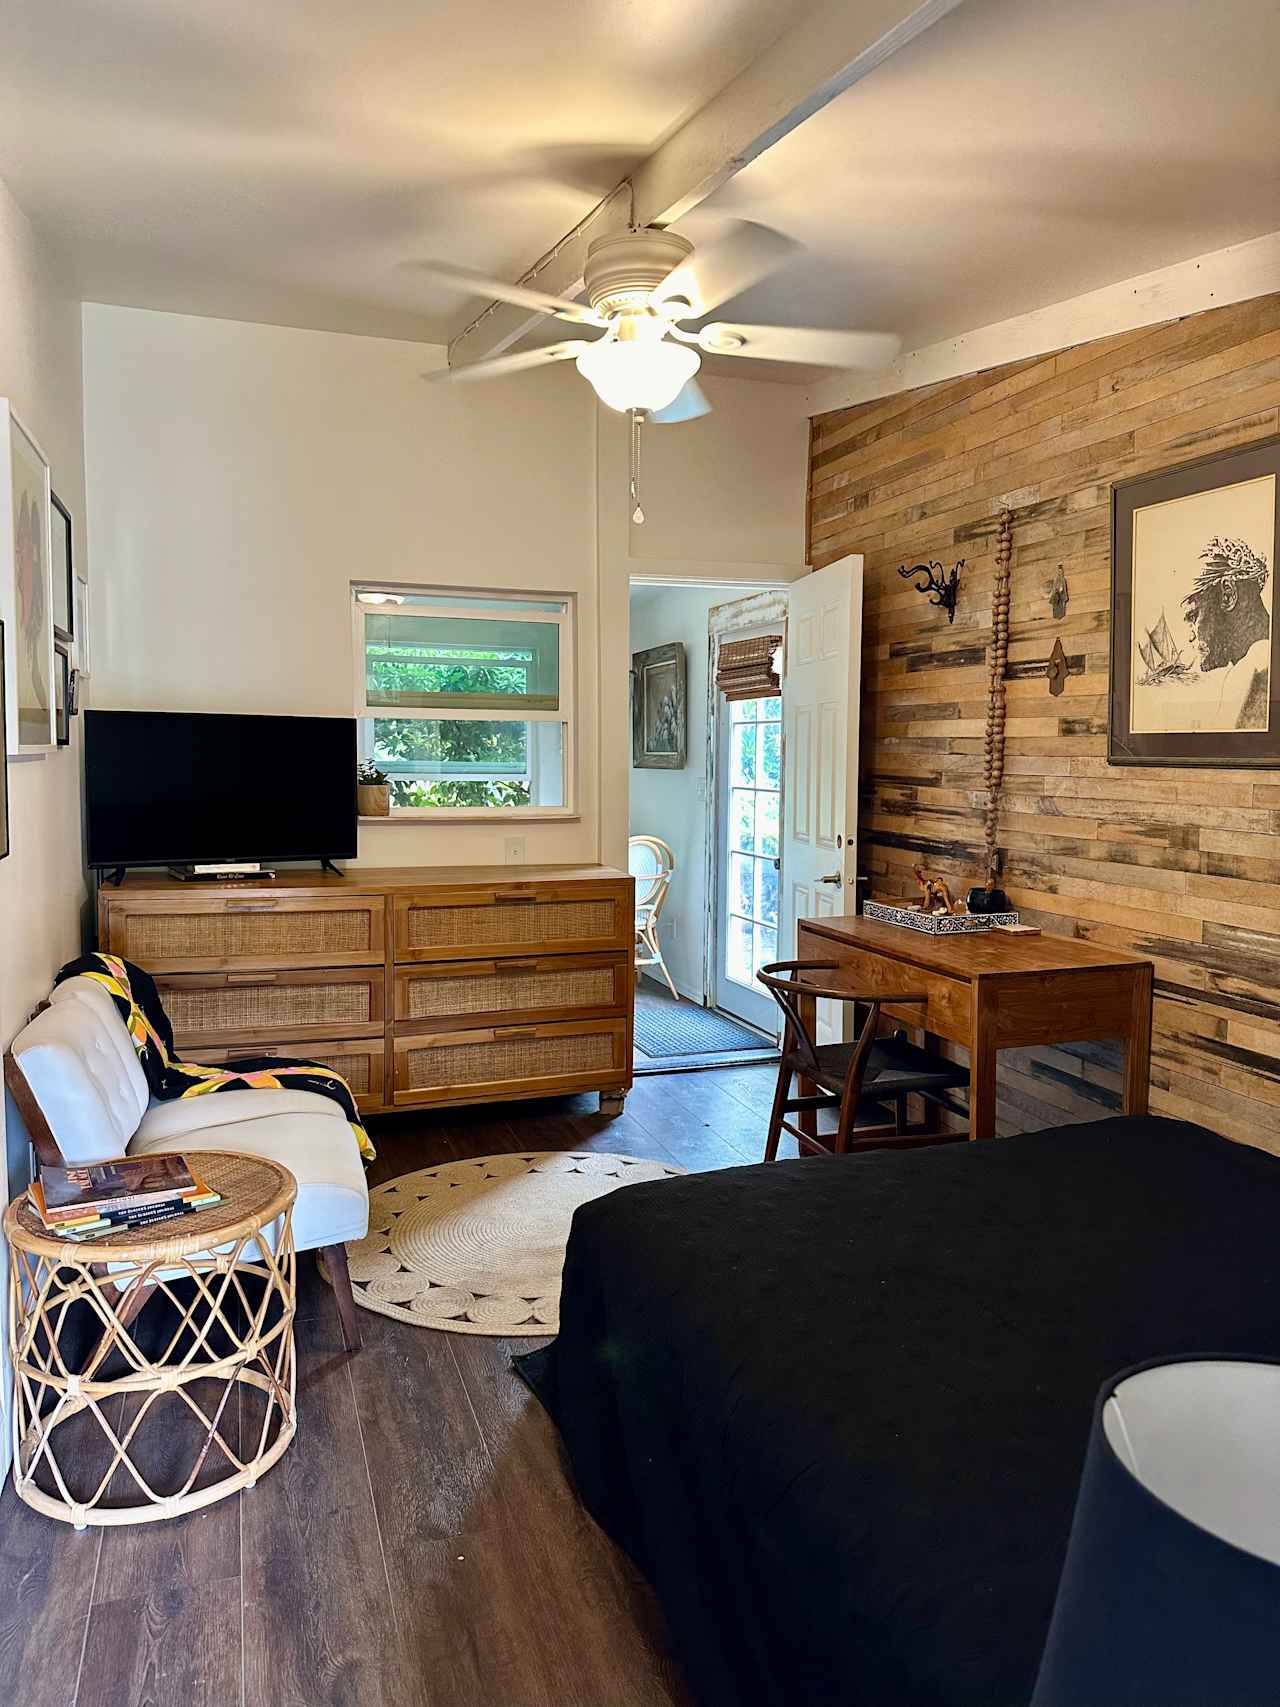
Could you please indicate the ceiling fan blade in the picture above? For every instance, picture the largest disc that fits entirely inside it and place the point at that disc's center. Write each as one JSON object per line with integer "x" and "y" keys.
{"x": 689, "y": 403}
{"x": 524, "y": 296}
{"x": 516, "y": 363}
{"x": 809, "y": 345}
{"x": 725, "y": 267}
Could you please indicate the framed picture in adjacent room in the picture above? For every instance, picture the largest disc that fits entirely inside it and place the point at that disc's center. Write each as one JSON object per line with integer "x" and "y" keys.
{"x": 1195, "y": 647}
{"x": 659, "y": 733}
{"x": 26, "y": 588}
{"x": 62, "y": 695}
{"x": 64, "y": 575}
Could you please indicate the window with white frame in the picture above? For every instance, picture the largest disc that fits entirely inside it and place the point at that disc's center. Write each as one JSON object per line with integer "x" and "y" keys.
{"x": 465, "y": 700}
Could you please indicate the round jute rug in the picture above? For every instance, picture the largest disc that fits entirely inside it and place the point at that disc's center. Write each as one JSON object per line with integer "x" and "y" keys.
{"x": 477, "y": 1247}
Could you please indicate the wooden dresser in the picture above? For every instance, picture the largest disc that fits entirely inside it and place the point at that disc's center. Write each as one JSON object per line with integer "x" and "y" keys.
{"x": 423, "y": 986}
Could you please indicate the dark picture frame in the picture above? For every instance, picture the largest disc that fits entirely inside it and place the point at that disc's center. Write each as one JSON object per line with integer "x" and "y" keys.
{"x": 1193, "y": 680}
{"x": 64, "y": 575}
{"x": 659, "y": 708}
{"x": 62, "y": 695}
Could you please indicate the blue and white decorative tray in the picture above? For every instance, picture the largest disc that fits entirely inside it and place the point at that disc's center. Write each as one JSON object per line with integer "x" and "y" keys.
{"x": 935, "y": 924}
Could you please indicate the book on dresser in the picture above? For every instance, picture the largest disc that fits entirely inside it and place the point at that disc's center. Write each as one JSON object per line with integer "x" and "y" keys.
{"x": 423, "y": 986}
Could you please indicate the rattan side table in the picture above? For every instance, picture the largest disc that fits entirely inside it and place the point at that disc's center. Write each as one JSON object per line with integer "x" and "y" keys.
{"x": 227, "y": 1274}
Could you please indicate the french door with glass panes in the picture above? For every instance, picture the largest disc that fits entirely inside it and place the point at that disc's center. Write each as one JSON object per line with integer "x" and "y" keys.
{"x": 748, "y": 817}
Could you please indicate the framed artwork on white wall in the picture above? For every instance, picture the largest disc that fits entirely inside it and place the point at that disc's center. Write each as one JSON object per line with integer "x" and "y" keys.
{"x": 26, "y": 589}
{"x": 64, "y": 610}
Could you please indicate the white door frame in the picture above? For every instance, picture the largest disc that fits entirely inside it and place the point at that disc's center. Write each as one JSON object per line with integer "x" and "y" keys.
{"x": 767, "y": 597}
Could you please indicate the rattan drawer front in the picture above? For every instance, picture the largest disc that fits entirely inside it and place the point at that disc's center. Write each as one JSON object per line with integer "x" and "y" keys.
{"x": 511, "y": 1060}
{"x": 226, "y": 1007}
{"x": 361, "y": 1063}
{"x": 449, "y": 924}
{"x": 458, "y": 991}
{"x": 247, "y": 930}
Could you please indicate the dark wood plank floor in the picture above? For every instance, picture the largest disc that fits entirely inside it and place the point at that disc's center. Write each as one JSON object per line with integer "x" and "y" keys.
{"x": 419, "y": 1545}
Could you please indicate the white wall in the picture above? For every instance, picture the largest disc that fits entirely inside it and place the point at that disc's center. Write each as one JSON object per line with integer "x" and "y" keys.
{"x": 241, "y": 476}
{"x": 674, "y": 804}
{"x": 42, "y": 890}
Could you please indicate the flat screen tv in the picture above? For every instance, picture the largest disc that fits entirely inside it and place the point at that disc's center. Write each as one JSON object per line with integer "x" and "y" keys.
{"x": 187, "y": 788}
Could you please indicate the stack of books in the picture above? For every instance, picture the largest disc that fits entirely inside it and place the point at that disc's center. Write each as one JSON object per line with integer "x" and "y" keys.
{"x": 84, "y": 1203}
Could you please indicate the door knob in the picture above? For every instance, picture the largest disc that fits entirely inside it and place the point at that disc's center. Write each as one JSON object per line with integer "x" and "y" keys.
{"x": 834, "y": 877}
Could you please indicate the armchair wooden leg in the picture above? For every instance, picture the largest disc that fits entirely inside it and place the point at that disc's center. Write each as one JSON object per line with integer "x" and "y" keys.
{"x": 333, "y": 1261}
{"x": 775, "y": 1115}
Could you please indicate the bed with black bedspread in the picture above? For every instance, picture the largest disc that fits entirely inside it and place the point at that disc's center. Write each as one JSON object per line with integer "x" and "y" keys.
{"x": 836, "y": 1409}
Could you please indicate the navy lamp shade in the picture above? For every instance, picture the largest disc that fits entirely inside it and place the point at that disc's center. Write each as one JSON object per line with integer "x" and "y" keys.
{"x": 1170, "y": 1593}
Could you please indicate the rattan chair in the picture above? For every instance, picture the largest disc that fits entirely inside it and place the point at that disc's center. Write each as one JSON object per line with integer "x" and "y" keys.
{"x": 652, "y": 864}
{"x": 871, "y": 1070}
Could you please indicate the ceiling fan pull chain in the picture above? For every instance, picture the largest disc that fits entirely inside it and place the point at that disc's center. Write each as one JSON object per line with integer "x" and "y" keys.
{"x": 637, "y": 514}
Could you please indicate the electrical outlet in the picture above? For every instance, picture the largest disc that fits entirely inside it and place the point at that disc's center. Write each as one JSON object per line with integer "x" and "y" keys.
{"x": 701, "y": 789}
{"x": 513, "y": 850}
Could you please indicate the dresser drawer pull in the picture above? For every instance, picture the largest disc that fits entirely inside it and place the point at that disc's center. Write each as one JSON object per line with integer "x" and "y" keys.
{"x": 516, "y": 898}
{"x": 250, "y": 980}
{"x": 250, "y": 906}
{"x": 515, "y": 1031}
{"x": 523, "y": 965}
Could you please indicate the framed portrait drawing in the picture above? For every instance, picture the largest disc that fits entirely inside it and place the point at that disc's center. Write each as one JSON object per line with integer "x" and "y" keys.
{"x": 26, "y": 589}
{"x": 64, "y": 577}
{"x": 1195, "y": 647}
{"x": 659, "y": 733}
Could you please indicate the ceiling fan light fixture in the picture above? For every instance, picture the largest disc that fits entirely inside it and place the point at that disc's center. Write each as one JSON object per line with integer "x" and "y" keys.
{"x": 640, "y": 373}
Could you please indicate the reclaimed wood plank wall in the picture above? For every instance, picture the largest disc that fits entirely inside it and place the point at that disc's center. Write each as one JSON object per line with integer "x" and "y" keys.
{"x": 1181, "y": 865}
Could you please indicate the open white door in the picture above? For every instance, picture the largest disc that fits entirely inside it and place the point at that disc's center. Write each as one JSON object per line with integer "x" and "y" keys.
{"x": 820, "y": 764}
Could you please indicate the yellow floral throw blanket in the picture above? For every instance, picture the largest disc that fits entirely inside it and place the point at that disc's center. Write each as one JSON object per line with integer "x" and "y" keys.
{"x": 169, "y": 1077}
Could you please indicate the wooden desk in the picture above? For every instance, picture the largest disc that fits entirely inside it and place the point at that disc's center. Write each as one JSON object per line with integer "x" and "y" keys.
{"x": 994, "y": 992}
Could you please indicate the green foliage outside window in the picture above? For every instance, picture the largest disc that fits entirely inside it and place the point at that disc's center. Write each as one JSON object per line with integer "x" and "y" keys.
{"x": 453, "y": 791}
{"x": 393, "y": 670}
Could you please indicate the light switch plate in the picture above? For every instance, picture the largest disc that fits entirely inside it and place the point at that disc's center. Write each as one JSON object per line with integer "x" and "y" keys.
{"x": 513, "y": 850}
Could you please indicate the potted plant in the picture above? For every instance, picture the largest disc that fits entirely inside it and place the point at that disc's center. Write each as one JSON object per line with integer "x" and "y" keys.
{"x": 373, "y": 791}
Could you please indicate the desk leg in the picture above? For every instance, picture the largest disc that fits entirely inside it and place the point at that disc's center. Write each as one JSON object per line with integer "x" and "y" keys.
{"x": 982, "y": 1072}
{"x": 1137, "y": 1045}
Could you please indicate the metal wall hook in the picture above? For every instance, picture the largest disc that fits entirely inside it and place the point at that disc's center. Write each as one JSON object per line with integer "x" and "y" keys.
{"x": 941, "y": 586}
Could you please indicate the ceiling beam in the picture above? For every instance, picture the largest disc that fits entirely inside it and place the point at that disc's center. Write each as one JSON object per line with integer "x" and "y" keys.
{"x": 827, "y": 52}
{"x": 1235, "y": 274}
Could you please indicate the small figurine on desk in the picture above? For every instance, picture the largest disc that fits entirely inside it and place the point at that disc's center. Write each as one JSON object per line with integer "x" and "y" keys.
{"x": 937, "y": 896}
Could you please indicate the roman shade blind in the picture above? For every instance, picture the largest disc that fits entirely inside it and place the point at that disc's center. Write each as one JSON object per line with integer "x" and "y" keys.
{"x": 744, "y": 668}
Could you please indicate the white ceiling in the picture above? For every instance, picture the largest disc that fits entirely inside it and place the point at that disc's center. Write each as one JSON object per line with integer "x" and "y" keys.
{"x": 279, "y": 159}
{"x": 1017, "y": 154}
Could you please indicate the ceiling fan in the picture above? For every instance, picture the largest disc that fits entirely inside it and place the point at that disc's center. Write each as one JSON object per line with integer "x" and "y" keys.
{"x": 642, "y": 286}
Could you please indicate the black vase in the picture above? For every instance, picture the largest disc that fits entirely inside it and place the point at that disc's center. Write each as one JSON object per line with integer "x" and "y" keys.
{"x": 988, "y": 901}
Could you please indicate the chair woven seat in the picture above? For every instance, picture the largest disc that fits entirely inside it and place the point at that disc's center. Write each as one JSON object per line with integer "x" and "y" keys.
{"x": 895, "y": 1067}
